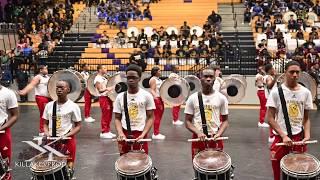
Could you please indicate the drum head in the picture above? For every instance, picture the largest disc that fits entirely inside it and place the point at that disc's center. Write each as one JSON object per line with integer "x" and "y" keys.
{"x": 302, "y": 164}
{"x": 234, "y": 89}
{"x": 144, "y": 82}
{"x": 133, "y": 163}
{"x": 43, "y": 165}
{"x": 73, "y": 77}
{"x": 90, "y": 85}
{"x": 194, "y": 83}
{"x": 118, "y": 83}
{"x": 212, "y": 161}
{"x": 174, "y": 91}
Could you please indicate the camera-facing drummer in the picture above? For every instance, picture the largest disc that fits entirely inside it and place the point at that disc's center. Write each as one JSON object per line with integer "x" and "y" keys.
{"x": 139, "y": 107}
{"x": 8, "y": 116}
{"x": 64, "y": 120}
{"x": 298, "y": 101}
{"x": 213, "y": 104}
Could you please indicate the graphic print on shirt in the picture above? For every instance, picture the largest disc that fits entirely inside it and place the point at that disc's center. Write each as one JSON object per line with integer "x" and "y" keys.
{"x": 133, "y": 112}
{"x": 294, "y": 112}
{"x": 209, "y": 111}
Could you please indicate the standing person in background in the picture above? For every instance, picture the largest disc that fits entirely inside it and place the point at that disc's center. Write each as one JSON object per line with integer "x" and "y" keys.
{"x": 218, "y": 78}
{"x": 87, "y": 96}
{"x": 22, "y": 77}
{"x": 175, "y": 109}
{"x": 262, "y": 97}
{"x": 155, "y": 83}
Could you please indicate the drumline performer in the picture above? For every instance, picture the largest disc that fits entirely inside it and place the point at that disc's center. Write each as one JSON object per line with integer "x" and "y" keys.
{"x": 155, "y": 84}
{"x": 293, "y": 125}
{"x": 106, "y": 105}
{"x": 87, "y": 96}
{"x": 214, "y": 104}
{"x": 40, "y": 84}
{"x": 175, "y": 109}
{"x": 218, "y": 78}
{"x": 262, "y": 97}
{"x": 63, "y": 121}
{"x": 9, "y": 115}
{"x": 140, "y": 112}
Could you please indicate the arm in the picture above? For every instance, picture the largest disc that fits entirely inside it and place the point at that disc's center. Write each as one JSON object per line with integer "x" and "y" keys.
{"x": 100, "y": 89}
{"x": 34, "y": 82}
{"x": 270, "y": 83}
{"x": 306, "y": 124}
{"x": 149, "y": 123}
{"x": 46, "y": 128}
{"x": 192, "y": 128}
{"x": 223, "y": 126}
{"x": 14, "y": 113}
{"x": 117, "y": 117}
{"x": 153, "y": 87}
{"x": 75, "y": 130}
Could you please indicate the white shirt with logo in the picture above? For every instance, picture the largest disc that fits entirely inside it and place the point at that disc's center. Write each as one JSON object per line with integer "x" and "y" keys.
{"x": 214, "y": 105}
{"x": 138, "y": 104}
{"x": 67, "y": 113}
{"x": 42, "y": 88}
{"x": 8, "y": 100}
{"x": 296, "y": 101}
{"x": 103, "y": 82}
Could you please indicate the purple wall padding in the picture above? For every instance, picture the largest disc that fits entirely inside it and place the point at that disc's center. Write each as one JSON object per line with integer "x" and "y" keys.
{"x": 105, "y": 50}
{"x": 110, "y": 55}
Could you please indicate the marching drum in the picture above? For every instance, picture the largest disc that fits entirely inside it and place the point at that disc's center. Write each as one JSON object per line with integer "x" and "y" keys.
{"x": 194, "y": 83}
{"x": 134, "y": 165}
{"x": 174, "y": 91}
{"x": 118, "y": 84}
{"x": 4, "y": 168}
{"x": 75, "y": 79}
{"x": 300, "y": 166}
{"x": 90, "y": 85}
{"x": 212, "y": 165}
{"x": 44, "y": 169}
{"x": 234, "y": 88}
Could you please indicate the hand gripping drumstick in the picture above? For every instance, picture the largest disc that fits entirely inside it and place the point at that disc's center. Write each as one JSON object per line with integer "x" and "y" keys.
{"x": 133, "y": 140}
{"x": 208, "y": 139}
{"x": 299, "y": 143}
{"x": 50, "y": 138}
{"x": 2, "y": 132}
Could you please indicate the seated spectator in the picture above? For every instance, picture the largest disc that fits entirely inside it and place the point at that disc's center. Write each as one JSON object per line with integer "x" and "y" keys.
{"x": 173, "y": 36}
{"x": 142, "y": 36}
{"x": 247, "y": 15}
{"x": 259, "y": 24}
{"x": 180, "y": 53}
{"x": 27, "y": 51}
{"x": 292, "y": 24}
{"x": 185, "y": 29}
{"x": 300, "y": 35}
{"x": 314, "y": 34}
{"x": 215, "y": 19}
{"x": 167, "y": 46}
{"x": 104, "y": 39}
{"x": 133, "y": 39}
{"x": 147, "y": 13}
{"x": 137, "y": 59}
{"x": 167, "y": 53}
{"x": 256, "y": 10}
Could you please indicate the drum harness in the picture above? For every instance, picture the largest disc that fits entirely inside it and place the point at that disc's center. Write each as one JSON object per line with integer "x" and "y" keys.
{"x": 130, "y": 136}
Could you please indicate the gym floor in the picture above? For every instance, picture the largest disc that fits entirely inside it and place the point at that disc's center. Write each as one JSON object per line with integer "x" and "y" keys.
{"x": 247, "y": 146}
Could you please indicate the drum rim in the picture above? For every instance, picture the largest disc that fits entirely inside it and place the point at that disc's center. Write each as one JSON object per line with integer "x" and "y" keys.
{"x": 54, "y": 170}
{"x": 300, "y": 174}
{"x": 220, "y": 170}
{"x": 143, "y": 171}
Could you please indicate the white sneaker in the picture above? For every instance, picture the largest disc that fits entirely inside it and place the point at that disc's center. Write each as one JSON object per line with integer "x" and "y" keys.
{"x": 178, "y": 122}
{"x": 89, "y": 119}
{"x": 271, "y": 139}
{"x": 107, "y": 135}
{"x": 112, "y": 134}
{"x": 263, "y": 125}
{"x": 159, "y": 136}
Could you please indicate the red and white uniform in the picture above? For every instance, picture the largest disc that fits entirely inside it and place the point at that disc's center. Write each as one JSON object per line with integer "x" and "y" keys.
{"x": 42, "y": 96}
{"x": 217, "y": 84}
{"x": 158, "y": 112}
{"x": 175, "y": 109}
{"x": 267, "y": 92}
{"x": 214, "y": 105}
{"x": 105, "y": 104}
{"x": 67, "y": 114}
{"x": 87, "y": 95}
{"x": 138, "y": 104}
{"x": 262, "y": 98}
{"x": 8, "y": 100}
{"x": 297, "y": 102}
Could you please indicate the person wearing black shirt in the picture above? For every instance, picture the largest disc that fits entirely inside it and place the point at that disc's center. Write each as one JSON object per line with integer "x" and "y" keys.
{"x": 22, "y": 77}
{"x": 300, "y": 35}
{"x": 180, "y": 53}
{"x": 194, "y": 36}
{"x": 133, "y": 39}
{"x": 167, "y": 46}
{"x": 155, "y": 36}
{"x": 163, "y": 34}
{"x": 173, "y": 36}
{"x": 207, "y": 26}
{"x": 142, "y": 36}
{"x": 167, "y": 53}
{"x": 147, "y": 13}
{"x": 292, "y": 24}
{"x": 194, "y": 54}
{"x": 214, "y": 19}
{"x": 137, "y": 59}
{"x": 185, "y": 29}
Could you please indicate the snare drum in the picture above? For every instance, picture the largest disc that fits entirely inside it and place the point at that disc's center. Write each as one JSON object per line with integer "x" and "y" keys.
{"x": 212, "y": 164}
{"x": 4, "y": 168}
{"x": 43, "y": 169}
{"x": 300, "y": 166}
{"x": 134, "y": 166}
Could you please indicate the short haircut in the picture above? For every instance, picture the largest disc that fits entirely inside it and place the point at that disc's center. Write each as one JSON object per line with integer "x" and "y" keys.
{"x": 291, "y": 63}
{"x": 67, "y": 82}
{"x": 215, "y": 67}
{"x": 154, "y": 70}
{"x": 268, "y": 67}
{"x": 134, "y": 67}
{"x": 83, "y": 65}
{"x": 42, "y": 67}
{"x": 99, "y": 67}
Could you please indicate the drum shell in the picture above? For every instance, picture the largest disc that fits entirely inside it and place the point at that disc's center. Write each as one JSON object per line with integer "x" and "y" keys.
{"x": 60, "y": 172}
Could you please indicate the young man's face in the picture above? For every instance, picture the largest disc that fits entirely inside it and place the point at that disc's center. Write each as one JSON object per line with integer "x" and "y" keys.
{"x": 293, "y": 73}
{"x": 207, "y": 78}
{"x": 62, "y": 89}
{"x": 44, "y": 71}
{"x": 133, "y": 79}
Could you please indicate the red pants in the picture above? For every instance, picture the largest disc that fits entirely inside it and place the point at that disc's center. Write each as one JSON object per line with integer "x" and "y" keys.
{"x": 106, "y": 113}
{"x": 87, "y": 103}
{"x": 68, "y": 147}
{"x": 196, "y": 147}
{"x": 277, "y": 152}
{"x": 263, "y": 108}
{"x": 158, "y": 112}
{"x": 124, "y": 147}
{"x": 175, "y": 113}
{"x": 41, "y": 102}
{"x": 5, "y": 148}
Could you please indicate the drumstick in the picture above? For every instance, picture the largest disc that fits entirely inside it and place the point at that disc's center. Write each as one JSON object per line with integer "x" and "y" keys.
{"x": 133, "y": 140}
{"x": 208, "y": 139}
{"x": 299, "y": 142}
{"x": 49, "y": 138}
{"x": 1, "y": 132}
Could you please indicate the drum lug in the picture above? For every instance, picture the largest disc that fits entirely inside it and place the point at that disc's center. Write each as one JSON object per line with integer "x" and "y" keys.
{"x": 154, "y": 174}
{"x": 232, "y": 172}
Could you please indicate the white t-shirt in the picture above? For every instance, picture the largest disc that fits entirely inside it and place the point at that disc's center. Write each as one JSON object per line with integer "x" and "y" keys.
{"x": 85, "y": 76}
{"x": 257, "y": 77}
{"x": 67, "y": 113}
{"x": 214, "y": 105}
{"x": 296, "y": 101}
{"x": 138, "y": 104}
{"x": 42, "y": 88}
{"x": 217, "y": 84}
{"x": 266, "y": 89}
{"x": 103, "y": 81}
{"x": 158, "y": 85}
{"x": 8, "y": 100}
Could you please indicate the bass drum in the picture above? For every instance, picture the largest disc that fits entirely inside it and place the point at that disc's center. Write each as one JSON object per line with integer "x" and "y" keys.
{"x": 75, "y": 79}
{"x": 174, "y": 91}
{"x": 144, "y": 82}
{"x": 90, "y": 85}
{"x": 118, "y": 83}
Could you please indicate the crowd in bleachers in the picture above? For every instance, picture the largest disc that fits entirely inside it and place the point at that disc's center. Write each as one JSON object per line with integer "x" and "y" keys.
{"x": 284, "y": 31}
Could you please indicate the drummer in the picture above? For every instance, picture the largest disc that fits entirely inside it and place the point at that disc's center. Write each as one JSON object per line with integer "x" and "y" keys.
{"x": 40, "y": 83}
{"x": 298, "y": 101}
{"x": 175, "y": 109}
{"x": 214, "y": 104}
{"x": 87, "y": 95}
{"x": 68, "y": 120}
{"x": 140, "y": 110}
{"x": 9, "y": 115}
